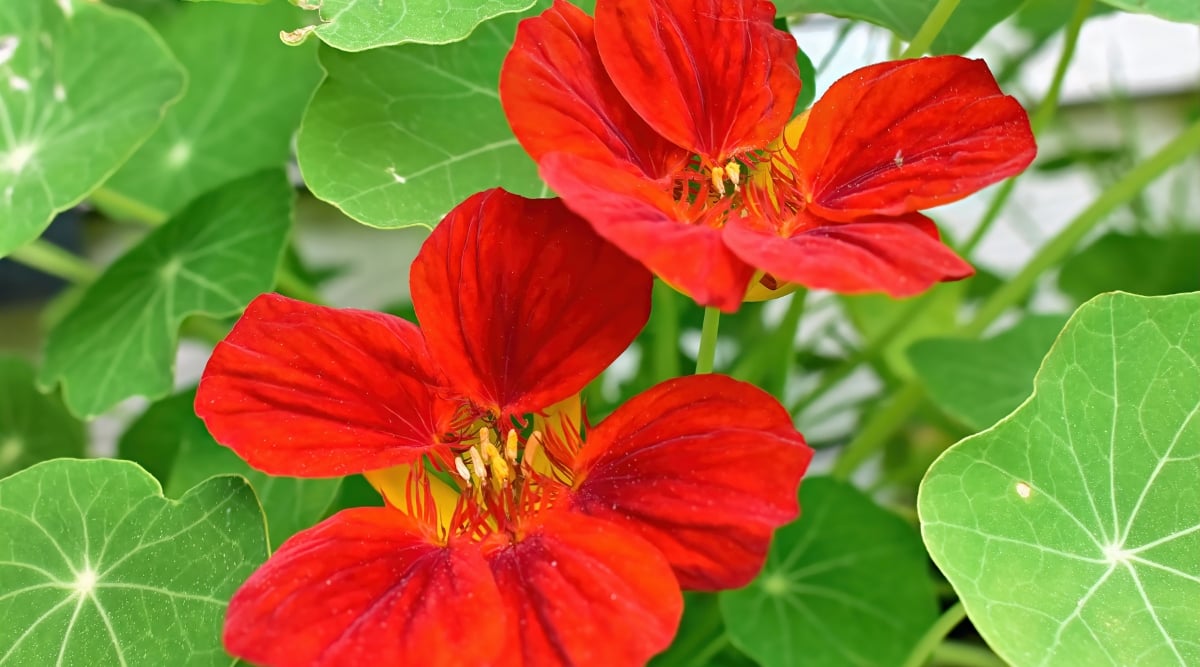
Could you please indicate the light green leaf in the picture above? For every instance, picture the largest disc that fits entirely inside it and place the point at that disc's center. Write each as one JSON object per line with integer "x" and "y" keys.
{"x": 980, "y": 381}
{"x": 1140, "y": 264}
{"x": 846, "y": 584}
{"x": 398, "y": 136}
{"x": 98, "y": 568}
{"x": 241, "y": 109}
{"x": 81, "y": 86}
{"x": 236, "y": 2}
{"x": 967, "y": 25}
{"x": 212, "y": 259}
{"x": 33, "y": 426}
{"x": 358, "y": 25}
{"x": 1184, "y": 11}
{"x": 1071, "y": 529}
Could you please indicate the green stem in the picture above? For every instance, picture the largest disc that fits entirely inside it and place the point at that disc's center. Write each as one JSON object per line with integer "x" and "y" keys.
{"x": 935, "y": 634}
{"x": 665, "y": 328}
{"x": 708, "y": 341}
{"x": 884, "y": 423}
{"x": 962, "y": 654}
{"x": 776, "y": 356}
{"x": 128, "y": 208}
{"x": 292, "y": 285}
{"x": 1040, "y": 120}
{"x": 51, "y": 259}
{"x": 930, "y": 28}
{"x": 704, "y": 656}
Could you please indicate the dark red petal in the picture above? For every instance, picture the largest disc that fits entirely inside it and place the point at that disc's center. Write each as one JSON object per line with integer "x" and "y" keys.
{"x": 640, "y": 218}
{"x": 367, "y": 586}
{"x": 558, "y": 97}
{"x": 584, "y": 592}
{"x": 900, "y": 256}
{"x": 522, "y": 303}
{"x": 705, "y": 467}
{"x": 903, "y": 136}
{"x": 309, "y": 391}
{"x": 713, "y": 76}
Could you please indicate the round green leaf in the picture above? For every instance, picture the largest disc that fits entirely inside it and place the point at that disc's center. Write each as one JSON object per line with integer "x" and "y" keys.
{"x": 119, "y": 339}
{"x": 98, "y": 568}
{"x": 81, "y": 85}
{"x": 1071, "y": 529}
{"x": 240, "y": 112}
{"x": 352, "y": 25}
{"x": 978, "y": 382}
{"x": 1184, "y": 11}
{"x": 847, "y": 584}
{"x": 397, "y": 137}
{"x": 33, "y": 426}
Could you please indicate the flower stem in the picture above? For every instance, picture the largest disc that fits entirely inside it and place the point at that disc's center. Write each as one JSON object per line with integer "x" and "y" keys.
{"x": 930, "y": 28}
{"x": 1041, "y": 118}
{"x": 53, "y": 260}
{"x": 708, "y": 340}
{"x": 704, "y": 656}
{"x": 880, "y": 427}
{"x": 935, "y": 634}
{"x": 665, "y": 327}
{"x": 962, "y": 654}
{"x": 287, "y": 282}
{"x": 127, "y": 208}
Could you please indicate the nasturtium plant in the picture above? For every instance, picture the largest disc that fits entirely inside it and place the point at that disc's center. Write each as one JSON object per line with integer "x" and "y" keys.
{"x": 1186, "y": 11}
{"x": 1080, "y": 510}
{"x": 847, "y": 584}
{"x": 33, "y": 426}
{"x": 1139, "y": 263}
{"x": 97, "y": 567}
{"x": 212, "y": 135}
{"x": 397, "y": 136}
{"x": 205, "y": 261}
{"x": 352, "y": 25}
{"x": 980, "y": 381}
{"x": 81, "y": 86}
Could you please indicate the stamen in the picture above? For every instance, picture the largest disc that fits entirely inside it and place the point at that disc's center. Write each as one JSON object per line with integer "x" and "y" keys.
{"x": 500, "y": 471}
{"x": 510, "y": 446}
{"x": 477, "y": 463}
{"x": 461, "y": 468}
{"x": 718, "y": 180}
{"x": 734, "y": 170}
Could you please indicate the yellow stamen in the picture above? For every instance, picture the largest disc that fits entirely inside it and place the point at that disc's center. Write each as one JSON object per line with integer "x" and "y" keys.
{"x": 477, "y": 463}
{"x": 500, "y": 471}
{"x": 734, "y": 170}
{"x": 718, "y": 180}
{"x": 461, "y": 468}
{"x": 510, "y": 446}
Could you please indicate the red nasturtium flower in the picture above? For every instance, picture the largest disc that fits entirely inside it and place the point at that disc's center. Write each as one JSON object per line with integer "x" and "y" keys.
{"x": 662, "y": 123}
{"x": 544, "y": 547}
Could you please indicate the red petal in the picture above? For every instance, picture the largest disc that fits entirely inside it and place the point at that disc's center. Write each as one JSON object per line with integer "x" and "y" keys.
{"x": 705, "y": 467}
{"x": 584, "y": 592}
{"x": 304, "y": 390}
{"x": 901, "y": 256}
{"x": 558, "y": 97}
{"x": 714, "y": 76}
{"x": 522, "y": 303}
{"x": 904, "y": 136}
{"x": 639, "y": 217}
{"x": 367, "y": 586}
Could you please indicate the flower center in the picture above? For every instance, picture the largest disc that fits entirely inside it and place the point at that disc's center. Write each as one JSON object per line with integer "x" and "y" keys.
{"x": 709, "y": 194}
{"x": 499, "y": 483}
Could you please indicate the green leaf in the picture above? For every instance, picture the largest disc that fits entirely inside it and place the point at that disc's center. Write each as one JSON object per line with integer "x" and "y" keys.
{"x": 81, "y": 86}
{"x": 1183, "y": 11}
{"x": 98, "y": 568}
{"x": 351, "y": 25}
{"x": 847, "y": 584}
{"x": 237, "y": 2}
{"x": 1043, "y": 18}
{"x": 1071, "y": 529}
{"x": 1141, "y": 264}
{"x": 220, "y": 252}
{"x": 240, "y": 112}
{"x": 967, "y": 25}
{"x": 33, "y": 426}
{"x": 397, "y": 137}
{"x": 153, "y": 439}
{"x": 979, "y": 382}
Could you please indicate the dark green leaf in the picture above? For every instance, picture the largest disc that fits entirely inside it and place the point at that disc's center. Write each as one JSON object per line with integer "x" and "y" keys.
{"x": 242, "y": 106}
{"x": 81, "y": 86}
{"x": 33, "y": 426}
{"x": 152, "y": 440}
{"x": 980, "y": 381}
{"x": 1071, "y": 529}
{"x": 216, "y": 255}
{"x": 98, "y": 568}
{"x": 398, "y": 136}
{"x": 846, "y": 584}
{"x": 1141, "y": 264}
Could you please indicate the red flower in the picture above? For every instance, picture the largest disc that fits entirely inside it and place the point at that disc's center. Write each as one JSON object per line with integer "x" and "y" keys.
{"x": 543, "y": 547}
{"x": 662, "y": 123}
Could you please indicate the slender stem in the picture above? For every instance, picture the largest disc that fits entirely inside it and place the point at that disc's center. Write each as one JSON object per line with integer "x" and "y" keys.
{"x": 291, "y": 284}
{"x": 1041, "y": 119}
{"x": 777, "y": 354}
{"x": 930, "y": 29}
{"x": 708, "y": 341}
{"x": 884, "y": 423}
{"x": 53, "y": 260}
{"x": 704, "y": 656}
{"x": 962, "y": 654}
{"x": 125, "y": 207}
{"x": 935, "y": 634}
{"x": 665, "y": 328}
